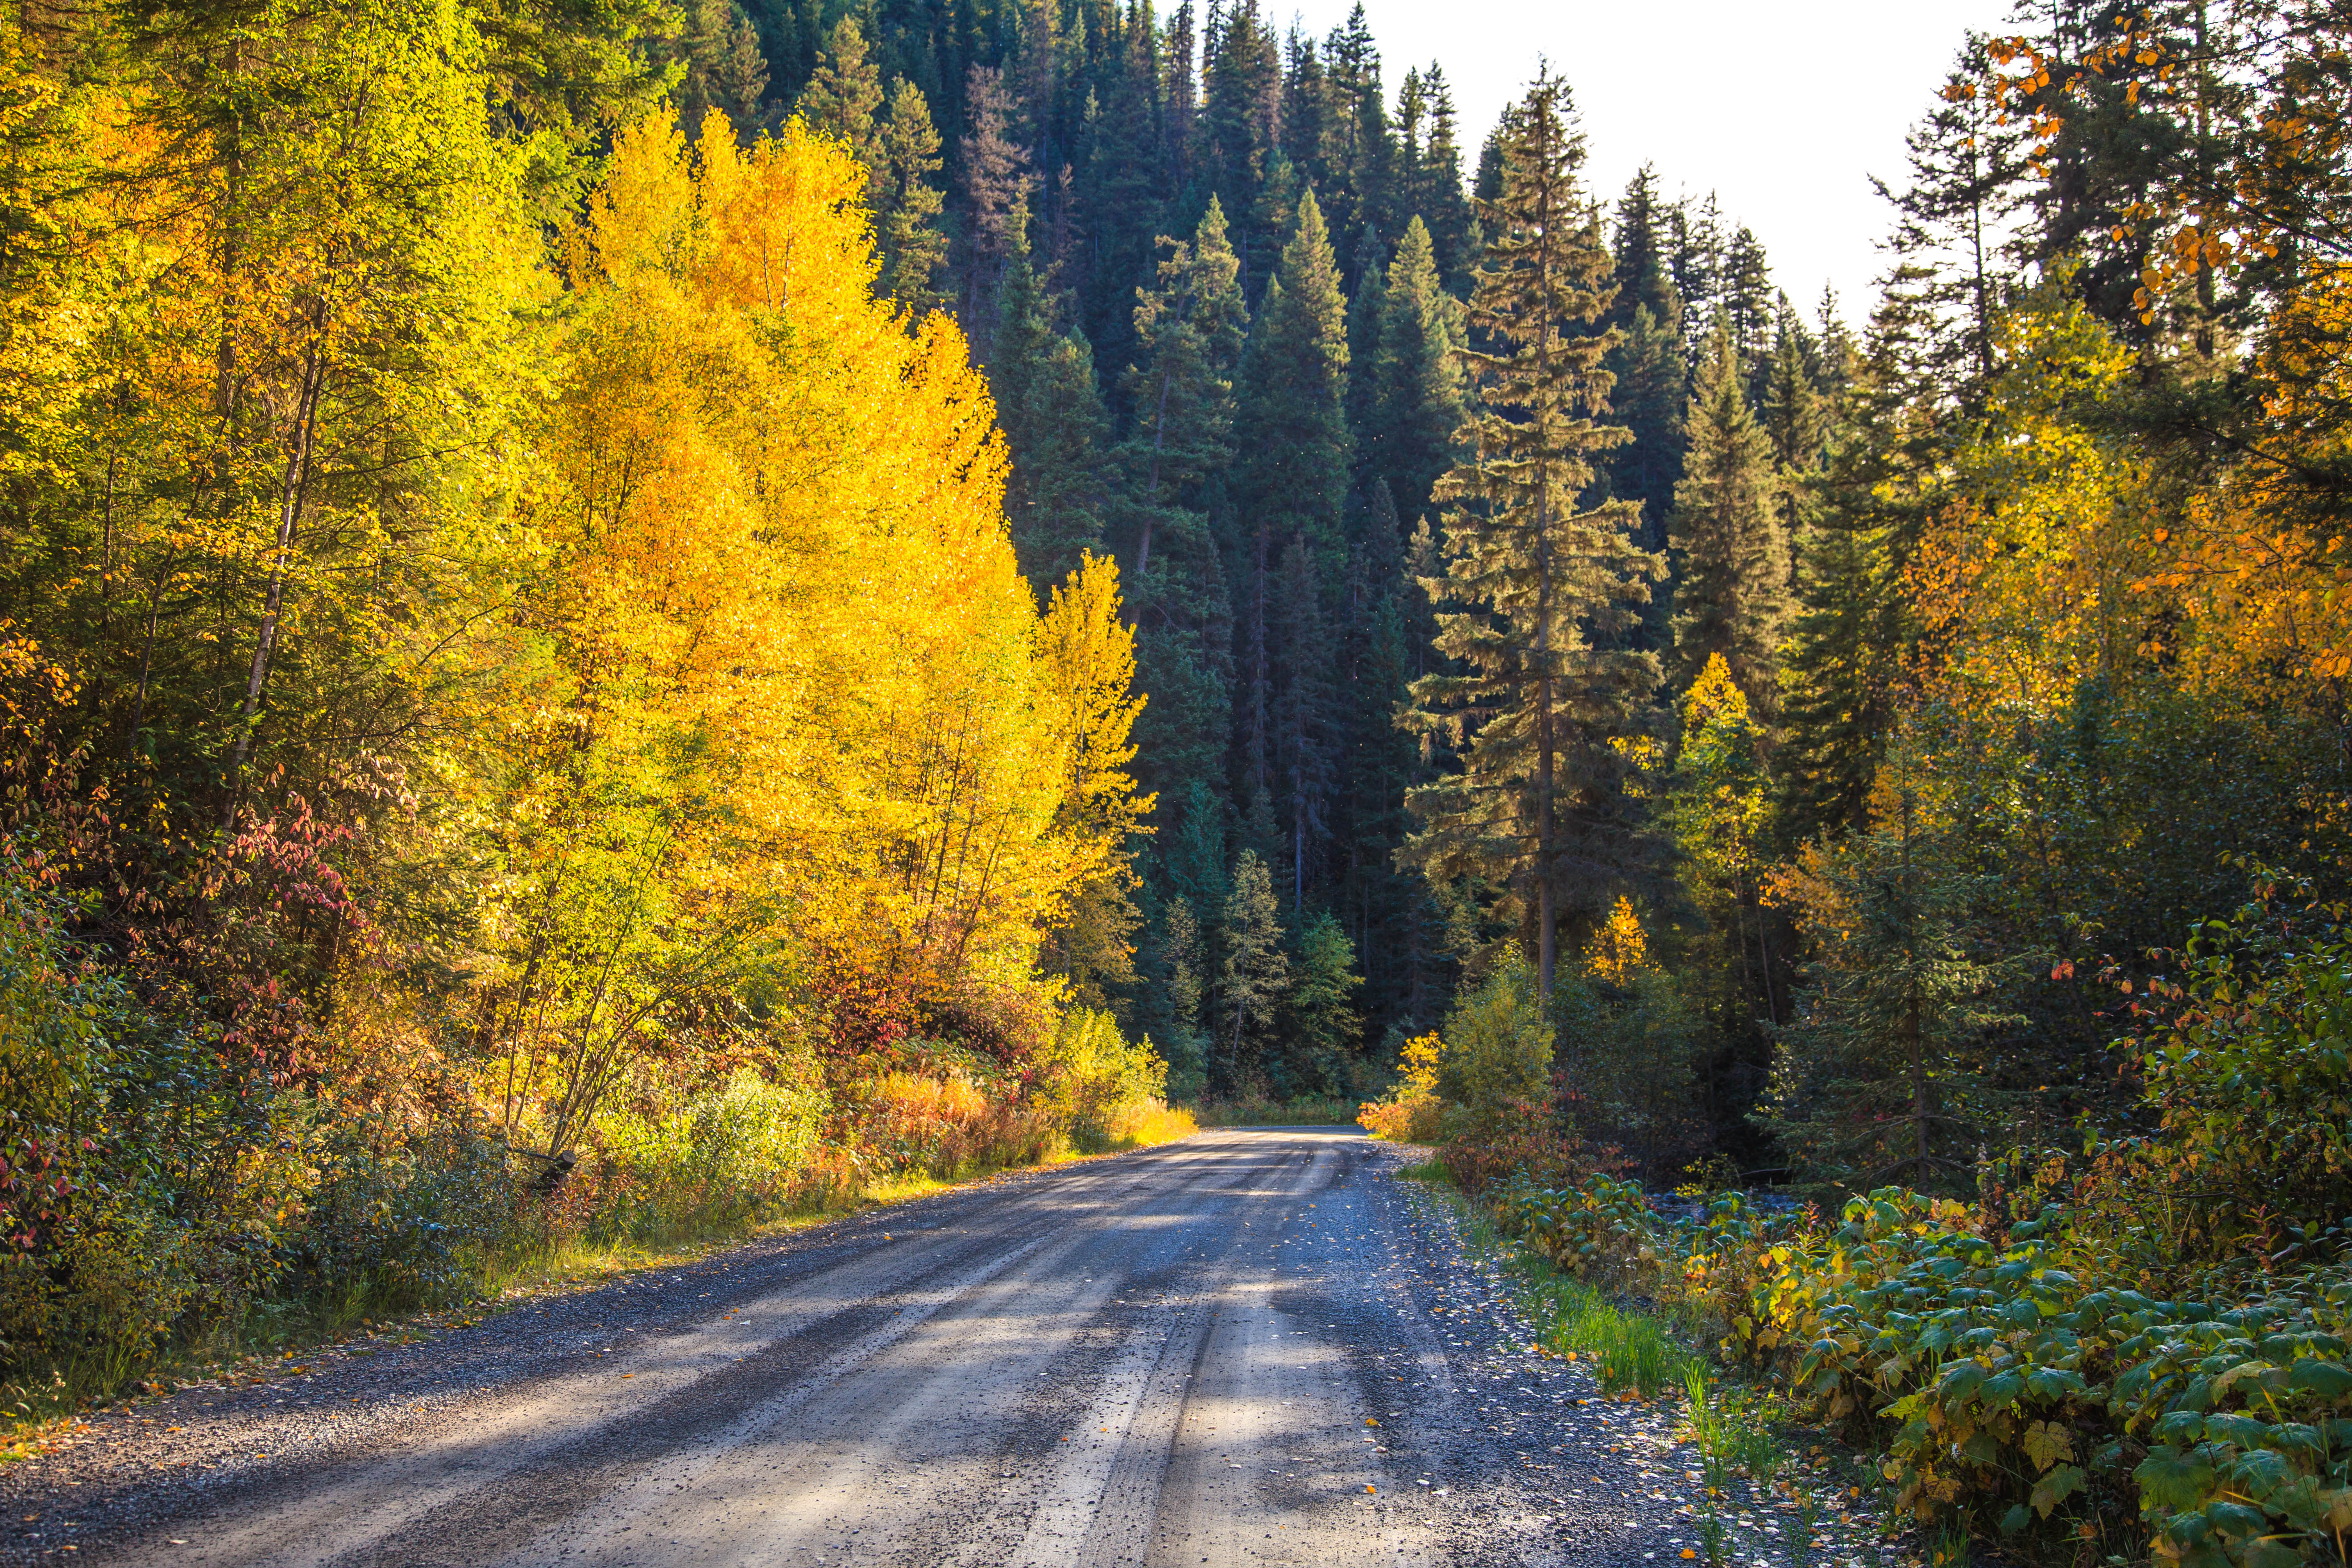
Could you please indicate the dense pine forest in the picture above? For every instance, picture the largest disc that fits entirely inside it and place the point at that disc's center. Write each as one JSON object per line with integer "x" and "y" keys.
{"x": 625, "y": 615}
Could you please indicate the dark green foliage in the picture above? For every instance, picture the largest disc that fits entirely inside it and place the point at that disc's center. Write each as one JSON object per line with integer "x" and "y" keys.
{"x": 1414, "y": 381}
{"x": 1883, "y": 1070}
{"x": 1292, "y": 478}
{"x": 1053, "y": 419}
{"x": 1537, "y": 586}
{"x": 1727, "y": 534}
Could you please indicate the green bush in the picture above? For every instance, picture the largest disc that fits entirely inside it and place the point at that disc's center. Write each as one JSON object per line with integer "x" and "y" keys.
{"x": 1091, "y": 1074}
{"x": 1497, "y": 1044}
{"x": 401, "y": 1216}
{"x": 147, "y": 1175}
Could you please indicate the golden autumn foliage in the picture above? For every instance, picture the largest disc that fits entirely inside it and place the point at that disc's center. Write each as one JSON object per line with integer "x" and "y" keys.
{"x": 791, "y": 719}
{"x": 2264, "y": 576}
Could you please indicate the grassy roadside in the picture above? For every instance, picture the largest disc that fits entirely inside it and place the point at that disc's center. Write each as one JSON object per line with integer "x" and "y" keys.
{"x": 272, "y": 1339}
{"x": 1754, "y": 1458}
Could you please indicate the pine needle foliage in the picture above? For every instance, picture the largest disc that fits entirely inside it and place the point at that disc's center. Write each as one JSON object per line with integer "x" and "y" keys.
{"x": 1538, "y": 588}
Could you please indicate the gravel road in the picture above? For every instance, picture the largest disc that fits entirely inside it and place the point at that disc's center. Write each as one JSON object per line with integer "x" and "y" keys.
{"x": 1251, "y": 1347}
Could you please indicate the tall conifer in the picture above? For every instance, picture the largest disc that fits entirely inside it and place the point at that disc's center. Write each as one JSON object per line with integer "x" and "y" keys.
{"x": 1295, "y": 466}
{"x": 1415, "y": 403}
{"x": 907, "y": 222}
{"x": 1730, "y": 593}
{"x": 1538, "y": 590}
{"x": 1053, "y": 419}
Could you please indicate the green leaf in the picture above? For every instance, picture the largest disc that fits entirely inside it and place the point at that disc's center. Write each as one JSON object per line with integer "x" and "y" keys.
{"x": 2328, "y": 1379}
{"x": 1960, "y": 1380}
{"x": 2056, "y": 1488}
{"x": 2171, "y": 1479}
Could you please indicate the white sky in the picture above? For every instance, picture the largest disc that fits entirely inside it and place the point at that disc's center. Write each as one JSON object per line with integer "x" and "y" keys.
{"x": 1783, "y": 108}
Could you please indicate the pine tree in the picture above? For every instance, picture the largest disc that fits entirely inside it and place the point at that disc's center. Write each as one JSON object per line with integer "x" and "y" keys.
{"x": 1730, "y": 593}
{"x": 1792, "y": 419}
{"x": 1295, "y": 466}
{"x": 1178, "y": 448}
{"x": 1444, "y": 206}
{"x": 1539, "y": 589}
{"x": 1415, "y": 377}
{"x": 1695, "y": 267}
{"x": 1878, "y": 483}
{"x": 1304, "y": 741}
{"x": 1970, "y": 174}
{"x": 1747, "y": 303}
{"x": 914, "y": 250}
{"x": 1053, "y": 419}
{"x": 1323, "y": 1025}
{"x": 1639, "y": 248}
{"x": 1838, "y": 677}
{"x": 724, "y": 69}
{"x": 841, "y": 99}
{"x": 1367, "y": 295}
{"x": 1241, "y": 109}
{"x": 1652, "y": 398}
{"x": 1377, "y": 902}
{"x": 1253, "y": 975}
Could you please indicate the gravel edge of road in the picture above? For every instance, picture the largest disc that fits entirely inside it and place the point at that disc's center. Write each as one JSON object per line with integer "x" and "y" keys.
{"x": 1854, "y": 1532}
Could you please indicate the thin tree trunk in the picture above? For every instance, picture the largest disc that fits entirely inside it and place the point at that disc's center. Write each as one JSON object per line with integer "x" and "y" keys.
{"x": 290, "y": 512}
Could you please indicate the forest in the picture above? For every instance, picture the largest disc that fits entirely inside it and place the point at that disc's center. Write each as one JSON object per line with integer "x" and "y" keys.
{"x": 624, "y": 616}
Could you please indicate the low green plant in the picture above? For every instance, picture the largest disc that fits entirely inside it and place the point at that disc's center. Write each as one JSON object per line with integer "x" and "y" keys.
{"x": 1714, "y": 1540}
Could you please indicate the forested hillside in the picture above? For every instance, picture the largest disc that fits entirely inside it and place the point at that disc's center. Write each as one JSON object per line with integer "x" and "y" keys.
{"x": 619, "y": 616}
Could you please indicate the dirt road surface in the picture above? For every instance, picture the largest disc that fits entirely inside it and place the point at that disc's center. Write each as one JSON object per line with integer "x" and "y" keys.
{"x": 1252, "y": 1347}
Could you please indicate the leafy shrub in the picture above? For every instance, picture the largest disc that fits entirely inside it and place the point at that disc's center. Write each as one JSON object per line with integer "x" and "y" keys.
{"x": 1497, "y": 1044}
{"x": 144, "y": 1180}
{"x": 402, "y": 1214}
{"x": 1091, "y": 1076}
{"x": 713, "y": 1158}
{"x": 1411, "y": 1111}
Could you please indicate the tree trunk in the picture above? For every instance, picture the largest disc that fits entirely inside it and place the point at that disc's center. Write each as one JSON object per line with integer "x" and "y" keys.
{"x": 296, "y": 483}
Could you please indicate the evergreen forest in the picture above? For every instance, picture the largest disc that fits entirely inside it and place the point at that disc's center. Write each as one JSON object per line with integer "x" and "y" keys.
{"x": 621, "y": 617}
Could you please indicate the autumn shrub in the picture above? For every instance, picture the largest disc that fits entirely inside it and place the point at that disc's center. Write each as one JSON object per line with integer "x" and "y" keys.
{"x": 144, "y": 1180}
{"x": 1497, "y": 1044}
{"x": 1146, "y": 1122}
{"x": 948, "y": 1126}
{"x": 707, "y": 1159}
{"x": 1090, "y": 1078}
{"x": 1411, "y": 1112}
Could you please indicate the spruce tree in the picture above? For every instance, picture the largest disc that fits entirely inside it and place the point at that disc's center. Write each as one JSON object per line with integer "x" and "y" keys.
{"x": 724, "y": 69}
{"x": 1376, "y": 900}
{"x": 1731, "y": 591}
{"x": 1253, "y": 975}
{"x": 1878, "y": 483}
{"x": 1294, "y": 468}
{"x": 1415, "y": 377}
{"x": 1053, "y": 419}
{"x": 1178, "y": 448}
{"x": 1747, "y": 302}
{"x": 1323, "y": 1024}
{"x": 1366, "y": 299}
{"x": 1538, "y": 591}
{"x": 1971, "y": 169}
{"x": 841, "y": 99}
{"x": 1304, "y": 740}
{"x": 996, "y": 181}
{"x": 1445, "y": 207}
{"x": 913, "y": 247}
